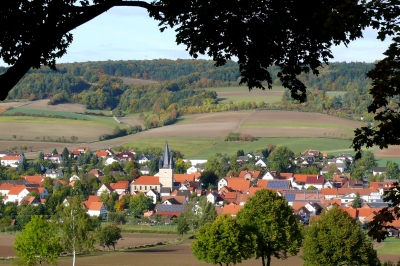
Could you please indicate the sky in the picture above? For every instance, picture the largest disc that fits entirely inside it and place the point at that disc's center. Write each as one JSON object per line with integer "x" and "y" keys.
{"x": 128, "y": 33}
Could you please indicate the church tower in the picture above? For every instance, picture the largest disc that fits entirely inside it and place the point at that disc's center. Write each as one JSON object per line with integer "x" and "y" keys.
{"x": 166, "y": 168}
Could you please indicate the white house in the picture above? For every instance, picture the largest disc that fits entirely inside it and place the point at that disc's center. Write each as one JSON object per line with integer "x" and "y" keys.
{"x": 105, "y": 188}
{"x": 378, "y": 170}
{"x": 261, "y": 163}
{"x": 110, "y": 161}
{"x": 11, "y": 160}
{"x": 74, "y": 178}
{"x": 16, "y": 194}
{"x": 191, "y": 170}
{"x": 5, "y": 188}
{"x": 212, "y": 197}
{"x": 268, "y": 176}
{"x": 222, "y": 183}
{"x": 152, "y": 194}
{"x": 97, "y": 209}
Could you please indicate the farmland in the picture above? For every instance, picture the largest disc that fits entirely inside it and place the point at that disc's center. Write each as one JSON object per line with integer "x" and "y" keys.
{"x": 175, "y": 254}
{"x": 236, "y": 94}
{"x": 197, "y": 136}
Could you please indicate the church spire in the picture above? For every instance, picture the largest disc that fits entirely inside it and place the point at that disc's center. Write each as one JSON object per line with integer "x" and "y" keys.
{"x": 166, "y": 161}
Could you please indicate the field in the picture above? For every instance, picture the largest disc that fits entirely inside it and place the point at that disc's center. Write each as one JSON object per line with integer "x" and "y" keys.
{"x": 198, "y": 136}
{"x": 242, "y": 93}
{"x": 133, "y": 81}
{"x": 335, "y": 93}
{"x": 175, "y": 254}
{"x": 64, "y": 107}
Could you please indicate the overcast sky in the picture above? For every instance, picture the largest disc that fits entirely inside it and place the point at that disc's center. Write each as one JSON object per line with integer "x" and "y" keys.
{"x": 129, "y": 34}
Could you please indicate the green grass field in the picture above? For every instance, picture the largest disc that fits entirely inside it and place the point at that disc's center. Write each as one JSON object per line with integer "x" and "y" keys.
{"x": 250, "y": 98}
{"x": 391, "y": 246}
{"x": 45, "y": 112}
{"x": 325, "y": 145}
{"x": 188, "y": 146}
{"x": 278, "y": 124}
{"x": 90, "y": 120}
{"x": 242, "y": 89}
{"x": 383, "y": 161}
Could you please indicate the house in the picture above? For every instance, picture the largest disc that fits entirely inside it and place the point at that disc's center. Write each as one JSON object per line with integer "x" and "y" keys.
{"x": 29, "y": 200}
{"x": 145, "y": 170}
{"x": 242, "y": 159}
{"x": 97, "y": 208}
{"x": 269, "y": 175}
{"x": 212, "y": 197}
{"x": 145, "y": 159}
{"x": 222, "y": 183}
{"x": 146, "y": 183}
{"x": 16, "y": 194}
{"x": 74, "y": 178}
{"x": 110, "y": 161}
{"x": 125, "y": 156}
{"x": 313, "y": 153}
{"x": 120, "y": 187}
{"x": 174, "y": 200}
{"x": 80, "y": 149}
{"x": 261, "y": 163}
{"x": 314, "y": 208}
{"x": 378, "y": 170}
{"x": 170, "y": 211}
{"x": 11, "y": 160}
{"x": 249, "y": 175}
{"x": 96, "y": 172}
{"x": 315, "y": 181}
{"x": 38, "y": 180}
{"x": 192, "y": 169}
{"x": 5, "y": 188}
{"x": 55, "y": 158}
{"x": 152, "y": 193}
{"x": 275, "y": 184}
{"x": 102, "y": 154}
{"x": 54, "y": 173}
{"x": 105, "y": 188}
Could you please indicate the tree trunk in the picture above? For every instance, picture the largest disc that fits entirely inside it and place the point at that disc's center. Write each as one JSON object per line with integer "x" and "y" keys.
{"x": 268, "y": 260}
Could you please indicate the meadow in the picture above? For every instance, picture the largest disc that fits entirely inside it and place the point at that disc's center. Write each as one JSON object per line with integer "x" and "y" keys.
{"x": 242, "y": 93}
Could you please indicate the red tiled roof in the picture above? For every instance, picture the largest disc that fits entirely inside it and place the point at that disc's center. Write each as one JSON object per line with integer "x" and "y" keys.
{"x": 6, "y": 186}
{"x": 298, "y": 204}
{"x": 238, "y": 184}
{"x": 179, "y": 199}
{"x": 232, "y": 209}
{"x": 301, "y": 177}
{"x": 254, "y": 174}
{"x": 101, "y": 153}
{"x": 93, "y": 198}
{"x": 147, "y": 180}
{"x": 120, "y": 185}
{"x": 315, "y": 180}
{"x": 34, "y": 179}
{"x": 11, "y": 158}
{"x": 183, "y": 177}
{"x": 340, "y": 177}
{"x": 286, "y": 175}
{"x": 16, "y": 190}
{"x": 95, "y": 206}
{"x": 378, "y": 185}
{"x": 262, "y": 183}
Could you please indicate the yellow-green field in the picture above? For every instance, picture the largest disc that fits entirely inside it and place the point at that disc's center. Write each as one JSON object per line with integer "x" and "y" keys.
{"x": 242, "y": 93}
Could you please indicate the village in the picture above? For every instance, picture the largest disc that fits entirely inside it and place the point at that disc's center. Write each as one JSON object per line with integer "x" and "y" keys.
{"x": 307, "y": 194}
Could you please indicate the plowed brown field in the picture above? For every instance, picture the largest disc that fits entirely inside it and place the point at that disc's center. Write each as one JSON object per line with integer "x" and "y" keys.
{"x": 176, "y": 255}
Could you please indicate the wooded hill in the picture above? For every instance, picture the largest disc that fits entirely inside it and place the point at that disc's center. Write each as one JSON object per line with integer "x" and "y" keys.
{"x": 99, "y": 85}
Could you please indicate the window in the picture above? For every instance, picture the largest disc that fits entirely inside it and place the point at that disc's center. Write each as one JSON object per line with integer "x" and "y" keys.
{"x": 150, "y": 187}
{"x": 155, "y": 188}
{"x": 140, "y": 187}
{"x": 145, "y": 187}
{"x": 135, "y": 187}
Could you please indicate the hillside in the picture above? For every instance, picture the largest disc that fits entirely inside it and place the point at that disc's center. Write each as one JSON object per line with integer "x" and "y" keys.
{"x": 165, "y": 89}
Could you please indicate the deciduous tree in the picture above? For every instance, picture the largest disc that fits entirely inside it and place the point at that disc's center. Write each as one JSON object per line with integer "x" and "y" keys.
{"x": 223, "y": 241}
{"x": 140, "y": 203}
{"x": 38, "y": 242}
{"x": 336, "y": 239}
{"x": 108, "y": 236}
{"x": 271, "y": 219}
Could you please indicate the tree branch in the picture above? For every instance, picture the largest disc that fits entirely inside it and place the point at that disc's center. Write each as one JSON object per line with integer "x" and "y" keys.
{"x": 48, "y": 34}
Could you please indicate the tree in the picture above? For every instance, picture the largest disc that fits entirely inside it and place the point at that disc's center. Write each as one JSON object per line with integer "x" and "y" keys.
{"x": 223, "y": 241}
{"x": 54, "y": 151}
{"x": 108, "y": 236}
{"x": 332, "y": 169}
{"x": 357, "y": 202}
{"x": 140, "y": 203}
{"x": 271, "y": 219}
{"x": 280, "y": 160}
{"x": 76, "y": 226}
{"x": 38, "y": 242}
{"x": 392, "y": 170}
{"x": 208, "y": 178}
{"x": 153, "y": 166}
{"x": 206, "y": 211}
{"x": 336, "y": 239}
{"x": 182, "y": 224}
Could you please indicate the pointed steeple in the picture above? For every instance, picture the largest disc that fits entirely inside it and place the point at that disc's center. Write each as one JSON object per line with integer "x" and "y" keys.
{"x": 166, "y": 161}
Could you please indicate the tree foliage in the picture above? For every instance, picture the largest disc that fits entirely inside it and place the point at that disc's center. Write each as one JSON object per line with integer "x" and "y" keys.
{"x": 271, "y": 219}
{"x": 107, "y": 236}
{"x": 281, "y": 160}
{"x": 38, "y": 242}
{"x": 336, "y": 239}
{"x": 140, "y": 203}
{"x": 223, "y": 241}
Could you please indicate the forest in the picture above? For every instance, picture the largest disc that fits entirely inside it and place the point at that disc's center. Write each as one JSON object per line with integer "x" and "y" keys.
{"x": 180, "y": 88}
